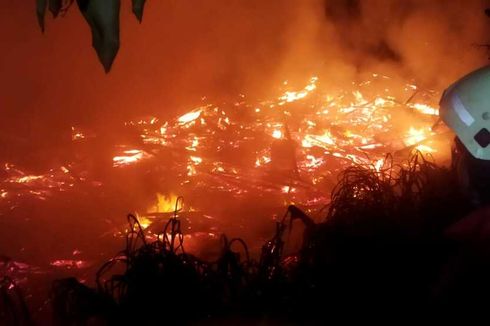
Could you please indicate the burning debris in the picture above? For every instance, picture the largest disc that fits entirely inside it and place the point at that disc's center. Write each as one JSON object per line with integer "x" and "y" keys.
{"x": 300, "y": 140}
{"x": 370, "y": 207}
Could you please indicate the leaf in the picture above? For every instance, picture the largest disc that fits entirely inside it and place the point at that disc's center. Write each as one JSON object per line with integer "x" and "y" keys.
{"x": 55, "y": 7}
{"x": 138, "y": 9}
{"x": 41, "y": 12}
{"x": 103, "y": 18}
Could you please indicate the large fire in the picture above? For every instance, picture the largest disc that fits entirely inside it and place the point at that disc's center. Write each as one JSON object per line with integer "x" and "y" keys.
{"x": 238, "y": 165}
{"x": 292, "y": 146}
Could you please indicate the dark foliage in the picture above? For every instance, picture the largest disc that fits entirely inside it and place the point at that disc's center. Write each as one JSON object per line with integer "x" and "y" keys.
{"x": 101, "y": 16}
{"x": 379, "y": 251}
{"x": 13, "y": 309}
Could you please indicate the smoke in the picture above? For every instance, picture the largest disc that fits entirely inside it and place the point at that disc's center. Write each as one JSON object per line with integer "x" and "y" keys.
{"x": 432, "y": 42}
{"x": 219, "y": 48}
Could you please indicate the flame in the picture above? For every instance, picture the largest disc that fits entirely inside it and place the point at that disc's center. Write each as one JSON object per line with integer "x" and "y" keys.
{"x": 144, "y": 221}
{"x": 379, "y": 164}
{"x": 415, "y": 136}
{"x": 291, "y": 96}
{"x": 26, "y": 179}
{"x": 164, "y": 203}
{"x": 331, "y": 129}
{"x": 76, "y": 134}
{"x": 425, "y": 109}
{"x": 129, "y": 157}
{"x": 425, "y": 149}
{"x": 189, "y": 117}
{"x": 277, "y": 134}
{"x": 334, "y": 129}
{"x": 318, "y": 140}
{"x": 69, "y": 263}
{"x": 196, "y": 160}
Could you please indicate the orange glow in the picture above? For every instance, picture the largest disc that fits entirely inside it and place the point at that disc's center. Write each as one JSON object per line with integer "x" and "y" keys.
{"x": 129, "y": 157}
{"x": 425, "y": 109}
{"x": 189, "y": 117}
{"x": 343, "y": 126}
{"x": 26, "y": 179}
{"x": 68, "y": 263}
{"x": 292, "y": 96}
{"x": 277, "y": 134}
{"x": 162, "y": 204}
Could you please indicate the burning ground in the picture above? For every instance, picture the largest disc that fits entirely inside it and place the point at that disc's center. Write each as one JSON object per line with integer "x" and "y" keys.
{"x": 236, "y": 164}
{"x": 80, "y": 150}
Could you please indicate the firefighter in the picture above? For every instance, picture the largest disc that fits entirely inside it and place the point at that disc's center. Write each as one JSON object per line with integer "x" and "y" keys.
{"x": 465, "y": 108}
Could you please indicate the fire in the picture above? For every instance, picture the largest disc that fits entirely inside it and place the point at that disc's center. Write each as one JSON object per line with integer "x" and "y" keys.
{"x": 129, "y": 157}
{"x": 277, "y": 134}
{"x": 194, "y": 142}
{"x": 76, "y": 134}
{"x": 230, "y": 147}
{"x": 379, "y": 164}
{"x": 163, "y": 204}
{"x": 415, "y": 136}
{"x": 425, "y": 109}
{"x": 189, "y": 117}
{"x": 425, "y": 149}
{"x": 291, "y": 96}
{"x": 334, "y": 129}
{"x": 26, "y": 179}
{"x": 69, "y": 263}
{"x": 318, "y": 140}
{"x": 144, "y": 221}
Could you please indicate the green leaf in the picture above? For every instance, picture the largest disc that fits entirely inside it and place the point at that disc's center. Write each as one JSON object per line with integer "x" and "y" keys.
{"x": 138, "y": 9}
{"x": 41, "y": 12}
{"x": 103, "y": 18}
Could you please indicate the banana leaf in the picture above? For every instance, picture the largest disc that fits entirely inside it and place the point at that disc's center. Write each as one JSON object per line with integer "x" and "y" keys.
{"x": 55, "y": 7}
{"x": 41, "y": 12}
{"x": 138, "y": 9}
{"x": 103, "y": 19}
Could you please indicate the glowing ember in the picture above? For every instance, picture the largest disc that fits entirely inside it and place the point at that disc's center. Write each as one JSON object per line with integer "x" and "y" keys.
{"x": 163, "y": 204}
{"x": 196, "y": 160}
{"x": 76, "y": 134}
{"x": 145, "y": 222}
{"x": 425, "y": 149}
{"x": 290, "y": 96}
{"x": 189, "y": 117}
{"x": 68, "y": 263}
{"x": 129, "y": 157}
{"x": 277, "y": 134}
{"x": 415, "y": 136}
{"x": 322, "y": 140}
{"x": 234, "y": 148}
{"x": 26, "y": 179}
{"x": 425, "y": 109}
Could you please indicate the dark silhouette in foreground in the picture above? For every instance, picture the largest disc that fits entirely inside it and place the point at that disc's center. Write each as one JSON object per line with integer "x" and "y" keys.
{"x": 383, "y": 249}
{"x": 395, "y": 242}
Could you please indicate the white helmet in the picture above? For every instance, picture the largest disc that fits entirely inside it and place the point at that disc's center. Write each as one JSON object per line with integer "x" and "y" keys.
{"x": 465, "y": 108}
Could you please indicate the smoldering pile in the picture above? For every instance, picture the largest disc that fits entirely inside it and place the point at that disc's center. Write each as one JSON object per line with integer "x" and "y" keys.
{"x": 382, "y": 246}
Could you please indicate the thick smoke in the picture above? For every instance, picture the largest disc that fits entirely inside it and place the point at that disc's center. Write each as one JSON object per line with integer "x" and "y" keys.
{"x": 432, "y": 42}
{"x": 219, "y": 48}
